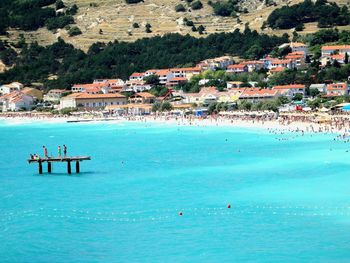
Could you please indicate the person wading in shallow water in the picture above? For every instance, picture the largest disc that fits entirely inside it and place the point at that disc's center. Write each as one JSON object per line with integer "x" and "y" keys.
{"x": 64, "y": 150}
{"x": 59, "y": 151}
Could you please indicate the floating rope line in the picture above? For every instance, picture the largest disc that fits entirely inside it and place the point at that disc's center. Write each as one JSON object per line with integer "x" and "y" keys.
{"x": 166, "y": 214}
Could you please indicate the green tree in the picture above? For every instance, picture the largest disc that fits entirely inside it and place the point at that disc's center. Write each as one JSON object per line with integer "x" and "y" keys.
{"x": 152, "y": 80}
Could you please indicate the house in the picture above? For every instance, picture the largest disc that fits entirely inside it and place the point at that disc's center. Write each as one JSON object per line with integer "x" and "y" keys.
{"x": 55, "y": 95}
{"x": 139, "y": 104}
{"x": 191, "y": 98}
{"x": 93, "y": 101}
{"x": 230, "y": 96}
{"x": 151, "y": 72}
{"x": 142, "y": 98}
{"x": 136, "y": 86}
{"x": 215, "y": 63}
{"x": 254, "y": 65}
{"x": 299, "y": 47}
{"x": 290, "y": 90}
{"x": 187, "y": 73}
{"x": 256, "y": 94}
{"x": 337, "y": 89}
{"x": 35, "y": 93}
{"x": 94, "y": 88}
{"x": 233, "y": 84}
{"x": 16, "y": 101}
{"x": 177, "y": 81}
{"x": 285, "y": 63}
{"x": 277, "y": 70}
{"x": 297, "y": 57}
{"x": 320, "y": 87}
{"x": 164, "y": 76}
{"x": 336, "y": 49}
{"x": 340, "y": 58}
{"x": 110, "y": 82}
{"x": 136, "y": 76}
{"x": 237, "y": 68}
{"x": 8, "y": 88}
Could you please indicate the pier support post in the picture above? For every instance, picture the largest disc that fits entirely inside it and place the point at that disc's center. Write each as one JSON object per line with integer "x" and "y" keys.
{"x": 49, "y": 167}
{"x": 40, "y": 167}
{"x": 77, "y": 167}
{"x": 69, "y": 170}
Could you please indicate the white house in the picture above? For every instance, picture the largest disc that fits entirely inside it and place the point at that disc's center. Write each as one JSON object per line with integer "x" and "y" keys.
{"x": 55, "y": 95}
{"x": 165, "y": 76}
{"x": 336, "y": 49}
{"x": 136, "y": 76}
{"x": 299, "y": 47}
{"x": 15, "y": 101}
{"x": 320, "y": 87}
{"x": 337, "y": 89}
{"x": 290, "y": 90}
{"x": 237, "y": 68}
{"x": 214, "y": 63}
{"x": 8, "y": 88}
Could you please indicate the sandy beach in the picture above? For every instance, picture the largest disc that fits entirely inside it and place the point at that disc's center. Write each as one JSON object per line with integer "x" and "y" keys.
{"x": 219, "y": 121}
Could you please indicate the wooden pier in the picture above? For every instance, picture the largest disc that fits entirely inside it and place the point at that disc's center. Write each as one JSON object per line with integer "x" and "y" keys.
{"x": 68, "y": 160}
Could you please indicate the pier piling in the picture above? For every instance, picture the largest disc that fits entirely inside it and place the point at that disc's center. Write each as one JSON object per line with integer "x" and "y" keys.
{"x": 69, "y": 170}
{"x": 40, "y": 167}
{"x": 77, "y": 167}
{"x": 68, "y": 160}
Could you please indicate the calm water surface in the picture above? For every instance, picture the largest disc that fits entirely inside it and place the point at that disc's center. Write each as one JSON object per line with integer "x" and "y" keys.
{"x": 290, "y": 198}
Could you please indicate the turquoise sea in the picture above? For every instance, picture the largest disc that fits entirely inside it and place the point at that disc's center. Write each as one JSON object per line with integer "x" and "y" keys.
{"x": 289, "y": 195}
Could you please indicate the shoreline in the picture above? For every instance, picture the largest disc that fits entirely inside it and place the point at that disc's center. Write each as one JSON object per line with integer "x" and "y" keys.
{"x": 265, "y": 124}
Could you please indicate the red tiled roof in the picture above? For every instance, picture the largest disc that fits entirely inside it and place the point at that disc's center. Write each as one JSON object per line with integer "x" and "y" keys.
{"x": 236, "y": 66}
{"x": 277, "y": 69}
{"x": 337, "y": 56}
{"x": 337, "y": 86}
{"x": 163, "y": 72}
{"x": 97, "y": 96}
{"x": 335, "y": 47}
{"x": 297, "y": 44}
{"x": 178, "y": 79}
{"x": 137, "y": 74}
{"x": 292, "y": 86}
{"x": 252, "y": 62}
{"x": 186, "y": 69}
{"x": 144, "y": 95}
{"x": 280, "y": 61}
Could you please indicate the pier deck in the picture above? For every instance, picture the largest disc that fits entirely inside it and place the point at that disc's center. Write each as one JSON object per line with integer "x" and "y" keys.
{"x": 68, "y": 160}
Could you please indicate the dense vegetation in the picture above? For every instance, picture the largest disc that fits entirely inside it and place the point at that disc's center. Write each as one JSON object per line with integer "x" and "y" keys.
{"x": 119, "y": 59}
{"x": 33, "y": 14}
{"x": 326, "y": 14}
{"x": 225, "y": 8}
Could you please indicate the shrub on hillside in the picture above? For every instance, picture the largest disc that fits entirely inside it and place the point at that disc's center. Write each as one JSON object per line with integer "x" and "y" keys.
{"x": 74, "y": 31}
{"x": 196, "y": 5}
{"x": 180, "y": 8}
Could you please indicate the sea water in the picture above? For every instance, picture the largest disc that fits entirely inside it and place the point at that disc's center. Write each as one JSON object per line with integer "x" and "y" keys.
{"x": 289, "y": 195}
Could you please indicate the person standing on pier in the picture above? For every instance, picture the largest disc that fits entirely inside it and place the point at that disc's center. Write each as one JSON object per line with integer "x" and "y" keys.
{"x": 59, "y": 151}
{"x": 45, "y": 151}
{"x": 64, "y": 150}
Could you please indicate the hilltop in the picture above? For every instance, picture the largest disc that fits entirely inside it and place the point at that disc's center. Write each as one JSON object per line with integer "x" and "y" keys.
{"x": 110, "y": 20}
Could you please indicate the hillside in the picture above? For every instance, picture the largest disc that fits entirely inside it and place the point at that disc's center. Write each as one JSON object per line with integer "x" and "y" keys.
{"x": 109, "y": 20}
{"x": 113, "y": 19}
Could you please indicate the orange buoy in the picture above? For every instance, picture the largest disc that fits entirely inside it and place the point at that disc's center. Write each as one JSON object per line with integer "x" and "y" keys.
{"x": 180, "y": 214}
{"x": 228, "y": 206}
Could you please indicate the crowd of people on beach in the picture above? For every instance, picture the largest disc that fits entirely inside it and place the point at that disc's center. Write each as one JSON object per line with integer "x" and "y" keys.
{"x": 45, "y": 152}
